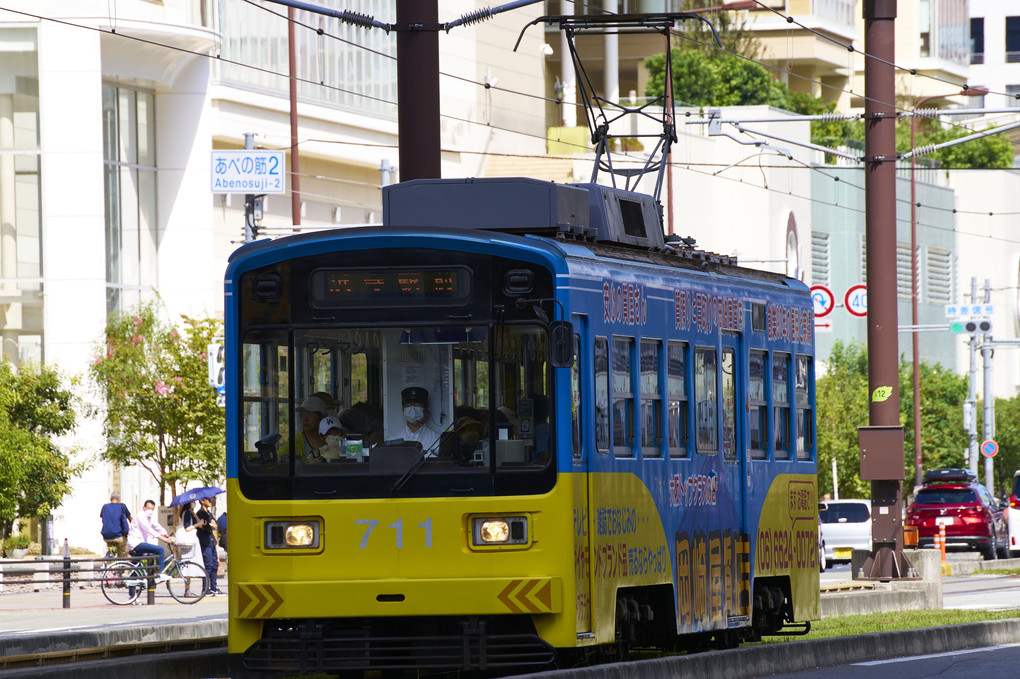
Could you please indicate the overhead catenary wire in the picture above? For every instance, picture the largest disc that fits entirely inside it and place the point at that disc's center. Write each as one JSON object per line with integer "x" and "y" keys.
{"x": 121, "y": 34}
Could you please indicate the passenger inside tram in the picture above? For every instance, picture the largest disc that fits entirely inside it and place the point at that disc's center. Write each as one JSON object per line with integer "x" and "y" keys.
{"x": 445, "y": 385}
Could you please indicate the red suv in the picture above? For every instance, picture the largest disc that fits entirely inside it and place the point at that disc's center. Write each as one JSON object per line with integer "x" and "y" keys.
{"x": 974, "y": 520}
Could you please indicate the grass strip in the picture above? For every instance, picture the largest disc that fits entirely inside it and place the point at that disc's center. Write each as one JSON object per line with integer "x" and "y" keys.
{"x": 849, "y": 625}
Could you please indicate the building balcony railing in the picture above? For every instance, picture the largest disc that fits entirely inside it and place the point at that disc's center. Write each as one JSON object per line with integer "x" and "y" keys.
{"x": 1013, "y": 57}
{"x": 837, "y": 11}
{"x": 977, "y": 57}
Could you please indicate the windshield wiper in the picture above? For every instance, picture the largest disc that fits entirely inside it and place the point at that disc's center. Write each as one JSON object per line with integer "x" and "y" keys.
{"x": 420, "y": 461}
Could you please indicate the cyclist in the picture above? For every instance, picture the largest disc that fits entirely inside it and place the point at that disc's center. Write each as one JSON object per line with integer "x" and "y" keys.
{"x": 145, "y": 534}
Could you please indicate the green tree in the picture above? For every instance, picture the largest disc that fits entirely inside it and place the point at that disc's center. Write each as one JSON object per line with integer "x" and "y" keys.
{"x": 993, "y": 151}
{"x": 161, "y": 412}
{"x": 943, "y": 438}
{"x": 1007, "y": 435}
{"x": 35, "y": 474}
{"x": 702, "y": 79}
{"x": 842, "y": 406}
{"x": 842, "y": 403}
{"x": 704, "y": 76}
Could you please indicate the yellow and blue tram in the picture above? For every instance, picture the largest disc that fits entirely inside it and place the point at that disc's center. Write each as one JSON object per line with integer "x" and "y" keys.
{"x": 622, "y": 451}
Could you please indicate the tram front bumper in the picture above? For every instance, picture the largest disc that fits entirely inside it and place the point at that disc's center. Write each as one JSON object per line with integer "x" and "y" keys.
{"x": 385, "y": 598}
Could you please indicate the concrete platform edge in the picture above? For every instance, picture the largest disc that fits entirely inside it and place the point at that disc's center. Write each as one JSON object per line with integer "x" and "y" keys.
{"x": 64, "y": 640}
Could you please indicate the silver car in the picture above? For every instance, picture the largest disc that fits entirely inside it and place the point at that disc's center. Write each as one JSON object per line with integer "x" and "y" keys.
{"x": 845, "y": 526}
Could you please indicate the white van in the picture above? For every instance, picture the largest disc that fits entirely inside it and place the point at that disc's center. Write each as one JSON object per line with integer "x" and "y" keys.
{"x": 1013, "y": 518}
{"x": 846, "y": 526}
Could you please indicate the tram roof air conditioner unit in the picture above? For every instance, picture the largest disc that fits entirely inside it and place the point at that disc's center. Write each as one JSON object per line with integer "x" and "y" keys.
{"x": 524, "y": 205}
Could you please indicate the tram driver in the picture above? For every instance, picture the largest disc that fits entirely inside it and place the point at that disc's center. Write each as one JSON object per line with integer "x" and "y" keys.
{"x": 414, "y": 402}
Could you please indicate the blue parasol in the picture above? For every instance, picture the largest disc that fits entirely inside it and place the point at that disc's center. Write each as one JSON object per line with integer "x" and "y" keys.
{"x": 195, "y": 494}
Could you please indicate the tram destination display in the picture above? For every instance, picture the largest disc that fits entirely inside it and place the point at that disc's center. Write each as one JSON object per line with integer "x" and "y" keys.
{"x": 389, "y": 287}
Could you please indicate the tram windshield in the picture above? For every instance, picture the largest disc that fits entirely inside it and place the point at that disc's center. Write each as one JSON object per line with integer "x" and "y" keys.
{"x": 395, "y": 402}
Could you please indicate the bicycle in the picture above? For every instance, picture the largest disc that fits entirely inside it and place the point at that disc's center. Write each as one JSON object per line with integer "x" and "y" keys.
{"x": 124, "y": 581}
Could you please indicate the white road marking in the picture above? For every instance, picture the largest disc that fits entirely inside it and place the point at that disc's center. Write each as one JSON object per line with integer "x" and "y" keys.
{"x": 936, "y": 655}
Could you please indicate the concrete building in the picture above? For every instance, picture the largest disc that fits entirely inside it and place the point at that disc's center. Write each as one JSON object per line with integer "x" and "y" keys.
{"x": 995, "y": 58}
{"x": 109, "y": 114}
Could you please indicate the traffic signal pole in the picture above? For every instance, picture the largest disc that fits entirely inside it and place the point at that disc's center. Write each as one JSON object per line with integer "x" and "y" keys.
{"x": 989, "y": 400}
{"x": 881, "y": 442}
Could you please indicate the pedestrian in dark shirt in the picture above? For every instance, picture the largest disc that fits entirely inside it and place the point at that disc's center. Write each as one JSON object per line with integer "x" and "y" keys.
{"x": 116, "y": 520}
{"x": 207, "y": 541}
{"x": 221, "y": 526}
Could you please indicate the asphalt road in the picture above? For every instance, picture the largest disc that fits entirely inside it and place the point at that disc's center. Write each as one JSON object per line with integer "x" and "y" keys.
{"x": 975, "y": 663}
{"x": 978, "y": 591}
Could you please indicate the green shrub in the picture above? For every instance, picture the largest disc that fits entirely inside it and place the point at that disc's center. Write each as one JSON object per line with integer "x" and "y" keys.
{"x": 17, "y": 542}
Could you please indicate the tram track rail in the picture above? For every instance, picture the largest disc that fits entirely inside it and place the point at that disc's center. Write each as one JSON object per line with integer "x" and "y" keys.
{"x": 119, "y": 650}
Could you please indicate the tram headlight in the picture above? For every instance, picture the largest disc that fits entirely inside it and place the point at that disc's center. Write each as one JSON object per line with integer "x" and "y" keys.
{"x": 300, "y": 534}
{"x": 496, "y": 531}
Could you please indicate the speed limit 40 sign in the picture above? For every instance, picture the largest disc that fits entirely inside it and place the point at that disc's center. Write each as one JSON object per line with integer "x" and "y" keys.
{"x": 856, "y": 300}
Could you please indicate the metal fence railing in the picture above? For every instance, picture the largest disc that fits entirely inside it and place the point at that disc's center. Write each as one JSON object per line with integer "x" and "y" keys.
{"x": 67, "y": 572}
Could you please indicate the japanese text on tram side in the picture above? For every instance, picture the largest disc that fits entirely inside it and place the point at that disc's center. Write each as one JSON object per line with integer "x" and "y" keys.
{"x": 624, "y": 303}
{"x": 699, "y": 490}
{"x": 706, "y": 312}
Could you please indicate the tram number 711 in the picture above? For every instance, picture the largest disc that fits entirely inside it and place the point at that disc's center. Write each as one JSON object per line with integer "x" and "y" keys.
{"x": 398, "y": 527}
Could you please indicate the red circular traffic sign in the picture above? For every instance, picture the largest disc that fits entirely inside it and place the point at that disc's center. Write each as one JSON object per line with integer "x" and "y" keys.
{"x": 856, "y": 300}
{"x": 823, "y": 300}
{"x": 989, "y": 448}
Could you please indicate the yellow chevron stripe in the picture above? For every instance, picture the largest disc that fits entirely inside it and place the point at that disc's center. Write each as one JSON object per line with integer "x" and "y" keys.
{"x": 257, "y": 601}
{"x": 532, "y": 596}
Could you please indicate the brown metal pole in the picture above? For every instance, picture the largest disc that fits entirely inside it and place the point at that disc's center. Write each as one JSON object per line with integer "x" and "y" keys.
{"x": 295, "y": 161}
{"x": 418, "y": 89}
{"x": 915, "y": 350}
{"x": 669, "y": 156}
{"x": 882, "y": 464}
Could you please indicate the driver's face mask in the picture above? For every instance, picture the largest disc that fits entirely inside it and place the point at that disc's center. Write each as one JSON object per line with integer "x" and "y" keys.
{"x": 414, "y": 414}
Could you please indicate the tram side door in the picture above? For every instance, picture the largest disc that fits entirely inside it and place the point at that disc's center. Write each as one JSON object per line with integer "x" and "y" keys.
{"x": 581, "y": 433}
{"x": 733, "y": 543}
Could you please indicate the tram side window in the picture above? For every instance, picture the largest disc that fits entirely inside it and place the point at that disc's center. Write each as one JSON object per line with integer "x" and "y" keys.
{"x": 601, "y": 358}
{"x": 575, "y": 399}
{"x": 757, "y": 411}
{"x": 729, "y": 404}
{"x": 623, "y": 397}
{"x": 805, "y": 434}
{"x": 678, "y": 426}
{"x": 781, "y": 405}
{"x": 651, "y": 399}
{"x": 706, "y": 405}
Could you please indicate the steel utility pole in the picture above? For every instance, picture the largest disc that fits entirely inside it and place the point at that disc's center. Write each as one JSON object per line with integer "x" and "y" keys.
{"x": 295, "y": 154}
{"x": 881, "y": 442}
{"x": 417, "y": 28}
